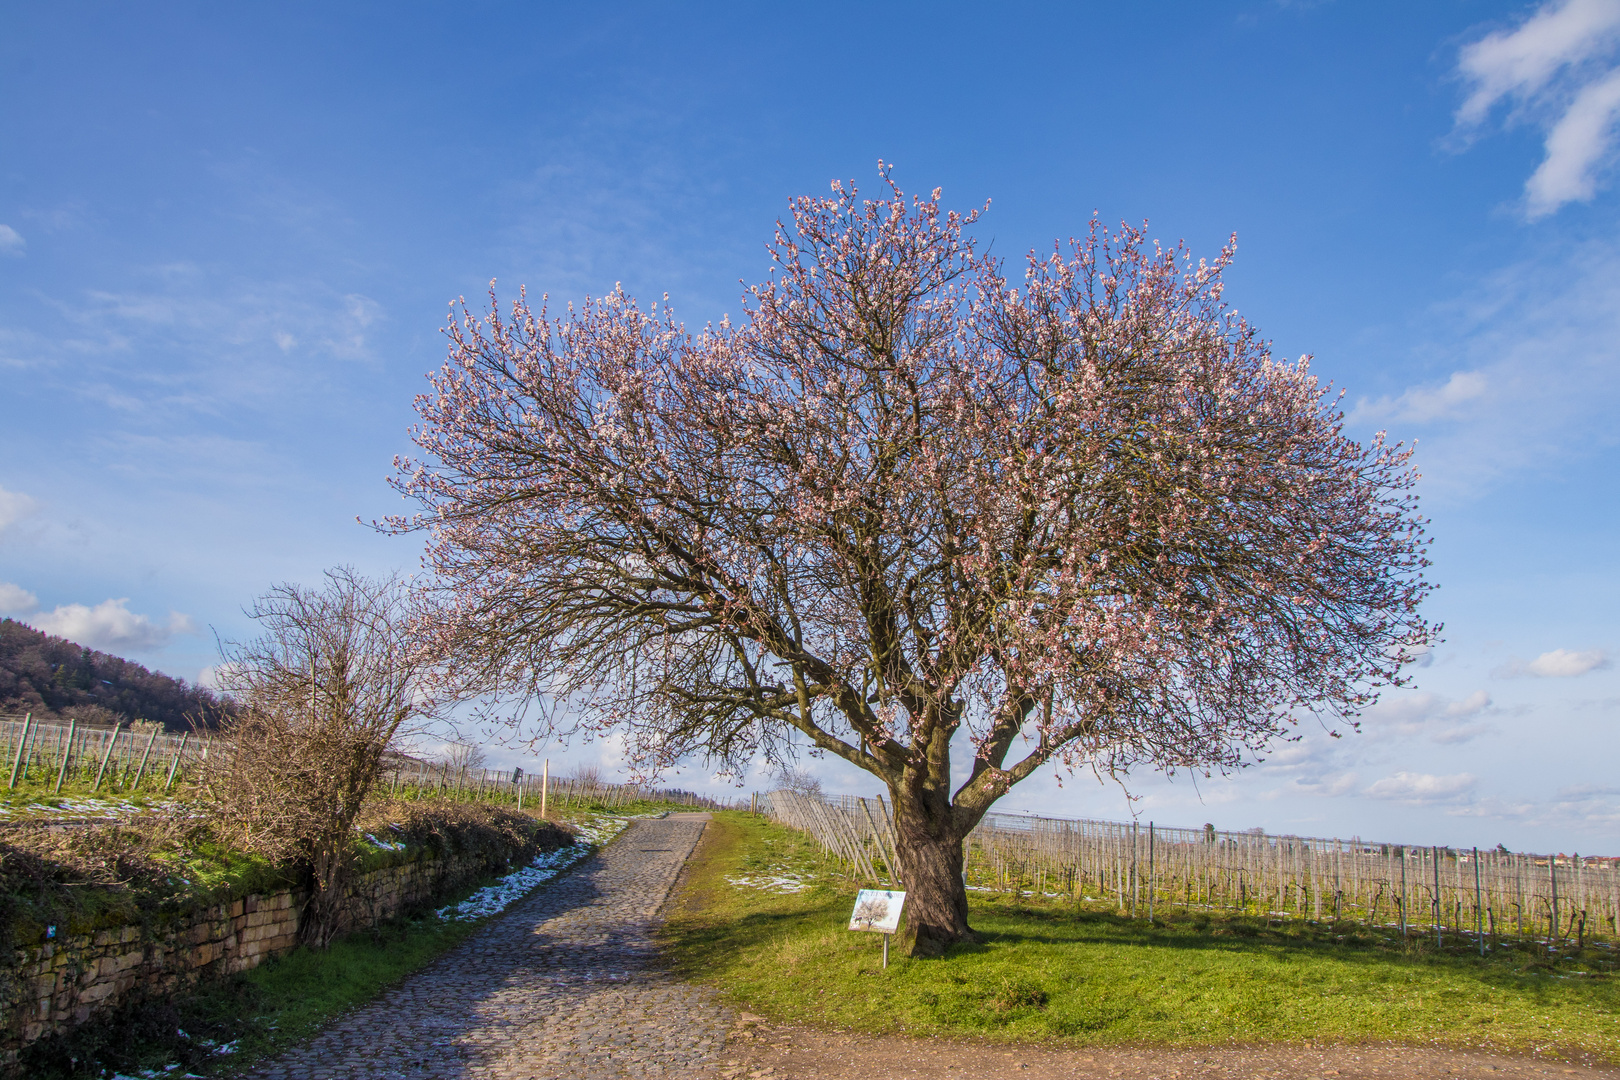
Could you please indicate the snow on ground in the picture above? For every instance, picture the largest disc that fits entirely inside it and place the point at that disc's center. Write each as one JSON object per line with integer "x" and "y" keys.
{"x": 85, "y": 806}
{"x": 172, "y": 1072}
{"x": 496, "y": 898}
{"x": 775, "y": 880}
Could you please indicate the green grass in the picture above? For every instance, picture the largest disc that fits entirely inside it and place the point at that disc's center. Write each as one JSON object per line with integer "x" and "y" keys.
{"x": 1050, "y": 971}
{"x": 37, "y": 786}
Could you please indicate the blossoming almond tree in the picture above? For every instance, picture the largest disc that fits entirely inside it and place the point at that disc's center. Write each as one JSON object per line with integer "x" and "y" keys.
{"x": 1084, "y": 519}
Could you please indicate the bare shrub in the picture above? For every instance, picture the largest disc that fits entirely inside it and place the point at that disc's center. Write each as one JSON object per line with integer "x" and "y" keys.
{"x": 463, "y": 757}
{"x": 589, "y": 776}
{"x": 799, "y": 783}
{"x": 463, "y": 828}
{"x": 92, "y": 715}
{"x": 335, "y": 678}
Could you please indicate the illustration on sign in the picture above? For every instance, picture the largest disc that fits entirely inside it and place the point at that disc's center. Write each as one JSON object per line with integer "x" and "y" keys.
{"x": 878, "y": 910}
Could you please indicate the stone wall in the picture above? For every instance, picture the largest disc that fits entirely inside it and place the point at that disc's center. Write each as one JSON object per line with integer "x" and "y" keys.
{"x": 54, "y": 984}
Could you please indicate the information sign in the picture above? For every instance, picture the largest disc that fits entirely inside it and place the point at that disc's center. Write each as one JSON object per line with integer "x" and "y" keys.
{"x": 877, "y": 910}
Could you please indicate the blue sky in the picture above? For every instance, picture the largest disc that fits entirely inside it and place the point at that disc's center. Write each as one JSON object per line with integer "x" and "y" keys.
{"x": 228, "y": 238}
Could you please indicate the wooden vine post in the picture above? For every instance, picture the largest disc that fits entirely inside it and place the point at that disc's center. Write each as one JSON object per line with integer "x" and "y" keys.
{"x": 106, "y": 756}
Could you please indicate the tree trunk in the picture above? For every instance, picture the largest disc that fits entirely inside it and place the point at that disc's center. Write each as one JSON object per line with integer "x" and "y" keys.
{"x": 331, "y": 870}
{"x": 929, "y": 847}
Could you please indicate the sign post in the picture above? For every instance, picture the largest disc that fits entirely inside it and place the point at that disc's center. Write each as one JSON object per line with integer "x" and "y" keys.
{"x": 878, "y": 911}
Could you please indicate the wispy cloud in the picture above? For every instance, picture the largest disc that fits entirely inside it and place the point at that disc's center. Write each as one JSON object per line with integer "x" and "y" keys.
{"x": 1532, "y": 353}
{"x": 11, "y": 242}
{"x": 1591, "y": 803}
{"x": 1587, "y": 806}
{"x": 1421, "y": 404}
{"x": 110, "y": 625}
{"x": 1556, "y": 69}
{"x": 1557, "y": 664}
{"x": 228, "y": 346}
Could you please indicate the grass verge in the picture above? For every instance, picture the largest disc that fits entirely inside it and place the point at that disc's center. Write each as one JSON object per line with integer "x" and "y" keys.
{"x": 1053, "y": 972}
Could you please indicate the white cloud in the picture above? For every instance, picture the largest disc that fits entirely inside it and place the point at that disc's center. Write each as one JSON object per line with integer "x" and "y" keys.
{"x": 1420, "y": 404}
{"x": 1557, "y": 69}
{"x": 1589, "y": 805}
{"x": 1558, "y": 664}
{"x": 1564, "y": 663}
{"x": 1576, "y": 147}
{"x": 1476, "y": 702}
{"x": 1503, "y": 64}
{"x": 11, "y": 241}
{"x": 16, "y": 600}
{"x": 1422, "y": 787}
{"x": 14, "y": 506}
{"x": 111, "y": 626}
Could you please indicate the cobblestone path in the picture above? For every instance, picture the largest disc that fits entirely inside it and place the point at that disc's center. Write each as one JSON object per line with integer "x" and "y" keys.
{"x": 565, "y": 985}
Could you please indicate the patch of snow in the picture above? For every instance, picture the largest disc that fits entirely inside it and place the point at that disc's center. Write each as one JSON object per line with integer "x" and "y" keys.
{"x": 776, "y": 883}
{"x": 496, "y": 898}
{"x": 87, "y": 806}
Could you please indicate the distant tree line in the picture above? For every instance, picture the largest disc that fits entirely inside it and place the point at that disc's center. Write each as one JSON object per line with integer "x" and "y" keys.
{"x": 57, "y": 679}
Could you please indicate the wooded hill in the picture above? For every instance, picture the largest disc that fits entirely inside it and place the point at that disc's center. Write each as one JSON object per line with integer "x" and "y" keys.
{"x": 55, "y": 678}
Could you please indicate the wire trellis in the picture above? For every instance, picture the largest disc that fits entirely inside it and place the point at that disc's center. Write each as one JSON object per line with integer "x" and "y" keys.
{"x": 1140, "y": 868}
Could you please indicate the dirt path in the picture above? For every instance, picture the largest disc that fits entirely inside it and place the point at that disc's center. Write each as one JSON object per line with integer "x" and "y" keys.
{"x": 759, "y": 1049}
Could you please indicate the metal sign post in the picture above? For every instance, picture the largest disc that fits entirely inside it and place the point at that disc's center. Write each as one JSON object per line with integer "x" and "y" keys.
{"x": 878, "y": 910}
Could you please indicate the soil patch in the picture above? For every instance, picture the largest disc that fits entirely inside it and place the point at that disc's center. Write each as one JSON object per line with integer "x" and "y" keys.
{"x": 759, "y": 1049}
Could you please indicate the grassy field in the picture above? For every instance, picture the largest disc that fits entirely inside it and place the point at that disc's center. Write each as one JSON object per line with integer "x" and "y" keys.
{"x": 1049, "y": 971}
